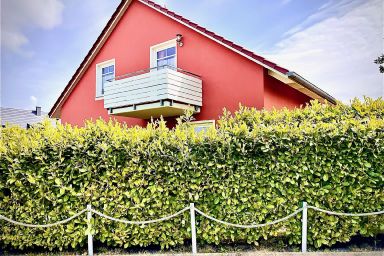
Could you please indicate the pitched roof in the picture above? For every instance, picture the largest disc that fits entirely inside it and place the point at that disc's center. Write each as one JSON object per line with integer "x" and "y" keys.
{"x": 21, "y": 117}
{"x": 289, "y": 77}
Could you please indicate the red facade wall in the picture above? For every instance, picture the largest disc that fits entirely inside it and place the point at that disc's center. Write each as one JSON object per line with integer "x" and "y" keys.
{"x": 228, "y": 78}
{"x": 279, "y": 95}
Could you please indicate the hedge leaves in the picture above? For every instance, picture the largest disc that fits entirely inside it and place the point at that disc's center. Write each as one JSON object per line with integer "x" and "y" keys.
{"x": 257, "y": 166}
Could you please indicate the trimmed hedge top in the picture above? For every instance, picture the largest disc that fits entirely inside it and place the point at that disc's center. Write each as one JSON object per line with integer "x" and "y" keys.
{"x": 256, "y": 166}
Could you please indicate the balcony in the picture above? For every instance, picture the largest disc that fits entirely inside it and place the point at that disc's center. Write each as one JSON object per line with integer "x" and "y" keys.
{"x": 162, "y": 91}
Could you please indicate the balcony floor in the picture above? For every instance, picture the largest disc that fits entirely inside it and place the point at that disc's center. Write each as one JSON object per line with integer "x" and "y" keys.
{"x": 154, "y": 110}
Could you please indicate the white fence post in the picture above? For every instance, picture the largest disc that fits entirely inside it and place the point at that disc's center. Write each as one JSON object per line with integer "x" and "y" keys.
{"x": 193, "y": 228}
{"x": 304, "y": 228}
{"x": 90, "y": 239}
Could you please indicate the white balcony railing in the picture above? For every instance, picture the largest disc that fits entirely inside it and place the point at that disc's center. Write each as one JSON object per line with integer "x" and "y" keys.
{"x": 130, "y": 92}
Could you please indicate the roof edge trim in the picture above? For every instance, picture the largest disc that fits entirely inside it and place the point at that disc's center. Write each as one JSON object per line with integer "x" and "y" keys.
{"x": 310, "y": 86}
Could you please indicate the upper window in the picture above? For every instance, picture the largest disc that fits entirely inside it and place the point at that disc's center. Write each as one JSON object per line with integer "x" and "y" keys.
{"x": 164, "y": 54}
{"x": 105, "y": 71}
{"x": 166, "y": 57}
{"x": 107, "y": 74}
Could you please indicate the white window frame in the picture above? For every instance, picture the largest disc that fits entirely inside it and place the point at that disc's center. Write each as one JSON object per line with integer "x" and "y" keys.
{"x": 99, "y": 67}
{"x": 159, "y": 47}
{"x": 204, "y": 124}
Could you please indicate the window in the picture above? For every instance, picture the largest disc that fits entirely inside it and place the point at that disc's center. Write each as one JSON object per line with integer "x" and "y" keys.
{"x": 164, "y": 54}
{"x": 166, "y": 57}
{"x": 105, "y": 71}
{"x": 203, "y": 126}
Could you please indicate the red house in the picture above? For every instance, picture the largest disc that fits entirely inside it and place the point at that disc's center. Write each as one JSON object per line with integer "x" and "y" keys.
{"x": 151, "y": 62}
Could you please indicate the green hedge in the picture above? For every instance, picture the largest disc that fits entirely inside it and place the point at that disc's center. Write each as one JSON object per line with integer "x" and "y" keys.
{"x": 257, "y": 166}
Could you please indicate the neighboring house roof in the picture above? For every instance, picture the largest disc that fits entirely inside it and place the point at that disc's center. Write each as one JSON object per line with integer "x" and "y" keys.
{"x": 21, "y": 117}
{"x": 288, "y": 77}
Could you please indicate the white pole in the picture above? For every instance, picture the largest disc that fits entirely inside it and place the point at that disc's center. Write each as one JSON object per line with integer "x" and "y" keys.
{"x": 90, "y": 239}
{"x": 304, "y": 228}
{"x": 193, "y": 228}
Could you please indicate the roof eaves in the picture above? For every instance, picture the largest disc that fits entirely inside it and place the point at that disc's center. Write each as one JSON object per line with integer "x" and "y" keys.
{"x": 310, "y": 86}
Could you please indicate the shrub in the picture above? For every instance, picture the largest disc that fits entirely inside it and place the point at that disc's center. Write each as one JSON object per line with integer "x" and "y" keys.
{"x": 257, "y": 166}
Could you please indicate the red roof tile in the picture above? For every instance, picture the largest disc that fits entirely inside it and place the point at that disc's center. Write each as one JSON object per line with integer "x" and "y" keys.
{"x": 210, "y": 33}
{"x": 238, "y": 47}
{"x": 202, "y": 29}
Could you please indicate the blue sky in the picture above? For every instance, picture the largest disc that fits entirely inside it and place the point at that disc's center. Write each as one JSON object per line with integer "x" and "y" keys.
{"x": 330, "y": 42}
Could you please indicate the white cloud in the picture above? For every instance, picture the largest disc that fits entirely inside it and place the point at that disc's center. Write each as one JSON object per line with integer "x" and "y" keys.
{"x": 337, "y": 53}
{"x": 18, "y": 15}
{"x": 332, "y": 8}
{"x": 33, "y": 100}
{"x": 284, "y": 2}
{"x": 14, "y": 41}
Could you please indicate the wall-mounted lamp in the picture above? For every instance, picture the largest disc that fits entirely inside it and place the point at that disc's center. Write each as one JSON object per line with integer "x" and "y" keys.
{"x": 179, "y": 39}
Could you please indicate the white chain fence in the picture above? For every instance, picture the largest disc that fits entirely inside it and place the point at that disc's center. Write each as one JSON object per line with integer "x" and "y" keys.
{"x": 250, "y": 225}
{"x": 192, "y": 209}
{"x": 43, "y": 225}
{"x": 141, "y": 222}
{"x": 344, "y": 214}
